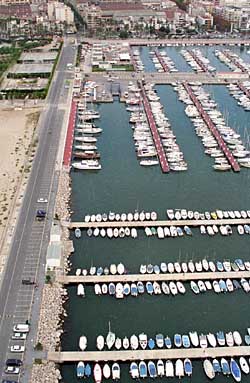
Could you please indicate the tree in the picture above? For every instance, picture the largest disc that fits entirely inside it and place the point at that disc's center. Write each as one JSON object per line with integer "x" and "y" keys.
{"x": 123, "y": 34}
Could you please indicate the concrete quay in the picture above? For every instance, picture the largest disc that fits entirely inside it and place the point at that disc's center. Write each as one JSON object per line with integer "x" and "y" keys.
{"x": 75, "y": 279}
{"x": 142, "y": 224}
{"x": 130, "y": 355}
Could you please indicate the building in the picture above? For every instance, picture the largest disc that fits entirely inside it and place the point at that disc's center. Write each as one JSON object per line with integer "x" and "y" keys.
{"x": 205, "y": 21}
{"x": 60, "y": 12}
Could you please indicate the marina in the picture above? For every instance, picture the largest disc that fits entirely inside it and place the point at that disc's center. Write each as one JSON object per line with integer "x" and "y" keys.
{"x": 131, "y": 193}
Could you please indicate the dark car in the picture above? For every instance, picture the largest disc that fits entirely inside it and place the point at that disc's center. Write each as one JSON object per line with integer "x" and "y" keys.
{"x": 28, "y": 281}
{"x": 14, "y": 362}
{"x": 8, "y": 381}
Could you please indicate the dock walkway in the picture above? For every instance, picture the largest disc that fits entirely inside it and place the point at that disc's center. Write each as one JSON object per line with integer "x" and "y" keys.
{"x": 198, "y": 61}
{"x": 70, "y": 135}
{"x": 161, "y": 61}
{"x": 130, "y": 355}
{"x": 143, "y": 224}
{"x": 75, "y": 279}
{"x": 155, "y": 133}
{"x": 244, "y": 89}
{"x": 228, "y": 154}
{"x": 235, "y": 61}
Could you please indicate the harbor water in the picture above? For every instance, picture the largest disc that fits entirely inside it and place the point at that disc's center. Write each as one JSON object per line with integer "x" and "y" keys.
{"x": 124, "y": 186}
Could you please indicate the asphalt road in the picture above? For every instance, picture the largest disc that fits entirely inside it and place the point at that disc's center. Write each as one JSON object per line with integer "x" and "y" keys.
{"x": 18, "y": 302}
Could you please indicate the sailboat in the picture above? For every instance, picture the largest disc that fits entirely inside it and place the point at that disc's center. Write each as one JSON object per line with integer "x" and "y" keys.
{"x": 110, "y": 339}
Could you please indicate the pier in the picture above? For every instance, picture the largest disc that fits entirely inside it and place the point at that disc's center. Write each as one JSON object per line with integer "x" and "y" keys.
{"x": 228, "y": 154}
{"x": 244, "y": 89}
{"x": 155, "y": 133}
{"x": 126, "y": 278}
{"x": 235, "y": 61}
{"x": 143, "y": 224}
{"x": 134, "y": 355}
{"x": 197, "y": 60}
{"x": 70, "y": 135}
{"x": 161, "y": 61}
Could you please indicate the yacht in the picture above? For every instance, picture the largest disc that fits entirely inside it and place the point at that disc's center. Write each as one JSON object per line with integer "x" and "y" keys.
{"x": 208, "y": 368}
{"x": 110, "y": 339}
{"x": 82, "y": 342}
{"x": 194, "y": 338}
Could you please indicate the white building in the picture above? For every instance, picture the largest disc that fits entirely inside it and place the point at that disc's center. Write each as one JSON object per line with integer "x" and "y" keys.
{"x": 60, "y": 13}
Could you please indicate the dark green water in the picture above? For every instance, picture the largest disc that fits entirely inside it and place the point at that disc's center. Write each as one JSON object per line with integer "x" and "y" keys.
{"x": 122, "y": 185}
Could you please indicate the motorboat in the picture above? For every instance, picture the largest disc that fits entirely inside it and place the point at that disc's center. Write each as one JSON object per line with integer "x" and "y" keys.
{"x": 140, "y": 287}
{"x": 125, "y": 343}
{"x": 143, "y": 370}
{"x": 160, "y": 368}
{"x": 235, "y": 370}
{"x": 229, "y": 339}
{"x": 179, "y": 368}
{"x": 134, "y": 343}
{"x": 78, "y": 233}
{"x": 185, "y": 341}
{"x": 87, "y": 370}
{"x": 168, "y": 342}
{"x": 152, "y": 369}
{"x": 216, "y": 366}
{"x": 159, "y": 340}
{"x": 208, "y": 368}
{"x": 221, "y": 338}
{"x": 173, "y": 288}
{"x": 106, "y": 371}
{"x": 211, "y": 339}
{"x": 237, "y": 338}
{"x": 177, "y": 340}
{"x": 118, "y": 343}
{"x": 203, "y": 341}
{"x": 134, "y": 290}
{"x": 180, "y": 286}
{"x": 100, "y": 342}
{"x": 188, "y": 368}
{"x": 194, "y": 338}
{"x": 165, "y": 288}
{"x": 225, "y": 366}
{"x": 116, "y": 371}
{"x": 169, "y": 368}
{"x": 149, "y": 288}
{"x": 143, "y": 341}
{"x": 120, "y": 269}
{"x": 80, "y": 370}
{"x": 151, "y": 343}
{"x": 119, "y": 291}
{"x": 80, "y": 290}
{"x": 97, "y": 373}
{"x": 194, "y": 287}
{"x": 134, "y": 370}
{"x": 111, "y": 288}
{"x": 244, "y": 365}
{"x": 126, "y": 289}
{"x": 82, "y": 342}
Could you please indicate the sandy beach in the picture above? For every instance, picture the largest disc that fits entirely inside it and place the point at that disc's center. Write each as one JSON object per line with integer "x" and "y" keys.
{"x": 16, "y": 142}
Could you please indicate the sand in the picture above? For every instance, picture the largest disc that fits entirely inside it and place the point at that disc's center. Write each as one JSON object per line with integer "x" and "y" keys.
{"x": 17, "y": 140}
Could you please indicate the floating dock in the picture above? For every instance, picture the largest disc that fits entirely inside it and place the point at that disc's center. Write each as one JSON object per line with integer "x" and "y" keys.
{"x": 161, "y": 61}
{"x": 228, "y": 154}
{"x": 155, "y": 133}
{"x": 244, "y": 89}
{"x": 235, "y": 61}
{"x": 134, "y": 355}
{"x": 206, "y": 275}
{"x": 143, "y": 224}
{"x": 70, "y": 135}
{"x": 198, "y": 61}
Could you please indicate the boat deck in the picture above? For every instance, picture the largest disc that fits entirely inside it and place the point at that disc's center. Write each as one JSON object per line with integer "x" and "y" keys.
{"x": 74, "y": 279}
{"x": 155, "y": 133}
{"x": 137, "y": 355}
{"x": 143, "y": 224}
{"x": 228, "y": 154}
{"x": 70, "y": 135}
{"x": 161, "y": 61}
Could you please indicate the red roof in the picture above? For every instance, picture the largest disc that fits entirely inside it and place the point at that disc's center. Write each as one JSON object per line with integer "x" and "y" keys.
{"x": 113, "y": 6}
{"x": 22, "y": 11}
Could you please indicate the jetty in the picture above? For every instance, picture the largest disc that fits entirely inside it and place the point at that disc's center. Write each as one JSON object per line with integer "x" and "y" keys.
{"x": 234, "y": 61}
{"x": 143, "y": 224}
{"x": 126, "y": 278}
{"x": 228, "y": 154}
{"x": 197, "y": 60}
{"x": 134, "y": 355}
{"x": 70, "y": 135}
{"x": 155, "y": 133}
{"x": 244, "y": 89}
{"x": 161, "y": 61}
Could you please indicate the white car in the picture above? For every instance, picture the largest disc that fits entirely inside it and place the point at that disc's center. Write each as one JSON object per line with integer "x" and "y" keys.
{"x": 12, "y": 370}
{"x": 42, "y": 200}
{"x": 17, "y": 348}
{"x": 19, "y": 336}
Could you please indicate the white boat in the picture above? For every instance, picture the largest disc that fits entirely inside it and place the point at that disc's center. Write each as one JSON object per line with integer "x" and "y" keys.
{"x": 113, "y": 269}
{"x": 211, "y": 339}
{"x": 194, "y": 338}
{"x": 133, "y": 233}
{"x": 119, "y": 291}
{"x": 110, "y": 339}
{"x": 134, "y": 343}
{"x": 237, "y": 338}
{"x": 106, "y": 371}
{"x": 80, "y": 290}
{"x": 143, "y": 340}
{"x": 100, "y": 342}
{"x": 82, "y": 342}
{"x": 179, "y": 368}
{"x": 134, "y": 370}
{"x": 97, "y": 373}
{"x": 208, "y": 368}
{"x": 160, "y": 368}
{"x": 116, "y": 372}
{"x": 118, "y": 343}
{"x": 120, "y": 269}
{"x": 244, "y": 365}
{"x": 169, "y": 368}
{"x": 125, "y": 343}
{"x": 98, "y": 289}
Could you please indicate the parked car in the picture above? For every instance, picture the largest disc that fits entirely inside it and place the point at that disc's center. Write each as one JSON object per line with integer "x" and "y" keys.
{"x": 14, "y": 362}
{"x": 17, "y": 348}
{"x": 12, "y": 370}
